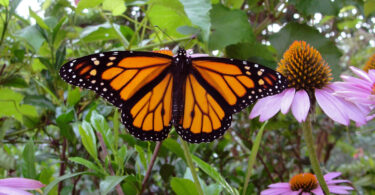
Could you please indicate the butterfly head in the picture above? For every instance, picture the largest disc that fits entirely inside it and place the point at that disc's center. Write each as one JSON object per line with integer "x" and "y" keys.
{"x": 181, "y": 51}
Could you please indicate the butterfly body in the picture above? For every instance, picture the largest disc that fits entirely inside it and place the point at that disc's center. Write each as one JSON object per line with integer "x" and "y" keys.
{"x": 197, "y": 95}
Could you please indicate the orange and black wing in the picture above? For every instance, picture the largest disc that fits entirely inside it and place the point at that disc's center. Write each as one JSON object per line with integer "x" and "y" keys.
{"x": 139, "y": 83}
{"x": 218, "y": 87}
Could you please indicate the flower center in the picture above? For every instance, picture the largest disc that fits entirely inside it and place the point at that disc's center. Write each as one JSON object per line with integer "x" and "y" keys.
{"x": 370, "y": 64}
{"x": 304, "y": 67}
{"x": 304, "y": 181}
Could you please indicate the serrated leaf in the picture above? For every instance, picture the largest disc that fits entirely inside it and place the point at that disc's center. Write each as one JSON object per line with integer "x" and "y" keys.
{"x": 100, "y": 124}
{"x": 28, "y": 161}
{"x": 86, "y": 163}
{"x": 198, "y": 11}
{"x": 38, "y": 19}
{"x": 183, "y": 186}
{"x": 117, "y": 7}
{"x": 229, "y": 27}
{"x": 168, "y": 15}
{"x": 295, "y": 31}
{"x": 88, "y": 139}
{"x": 214, "y": 174}
{"x": 109, "y": 183}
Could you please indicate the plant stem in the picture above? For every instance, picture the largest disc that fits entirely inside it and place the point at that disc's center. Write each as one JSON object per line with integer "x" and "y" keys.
{"x": 189, "y": 160}
{"x": 105, "y": 154}
{"x": 307, "y": 133}
{"x": 253, "y": 154}
{"x": 149, "y": 168}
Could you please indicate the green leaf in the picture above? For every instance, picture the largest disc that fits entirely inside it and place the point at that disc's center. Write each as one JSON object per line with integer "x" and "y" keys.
{"x": 73, "y": 96}
{"x": 88, "y": 138}
{"x": 183, "y": 186}
{"x": 103, "y": 32}
{"x": 348, "y": 24}
{"x": 37, "y": 66}
{"x": 255, "y": 52}
{"x": 369, "y": 7}
{"x": 32, "y": 36}
{"x": 198, "y": 11}
{"x": 28, "y": 161}
{"x": 11, "y": 107}
{"x": 235, "y": 4}
{"x": 215, "y": 175}
{"x": 117, "y": 7}
{"x": 294, "y": 31}
{"x": 49, "y": 187}
{"x": 100, "y": 124}
{"x": 83, "y": 4}
{"x": 309, "y": 7}
{"x": 6, "y": 161}
{"x": 229, "y": 27}
{"x": 15, "y": 81}
{"x": 86, "y": 163}
{"x": 168, "y": 15}
{"x": 173, "y": 146}
{"x": 213, "y": 189}
{"x": 4, "y": 3}
{"x": 142, "y": 156}
{"x": 38, "y": 20}
{"x": 63, "y": 121}
{"x": 109, "y": 183}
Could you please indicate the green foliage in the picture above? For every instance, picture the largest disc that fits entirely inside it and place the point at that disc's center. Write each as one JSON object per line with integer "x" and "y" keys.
{"x": 183, "y": 186}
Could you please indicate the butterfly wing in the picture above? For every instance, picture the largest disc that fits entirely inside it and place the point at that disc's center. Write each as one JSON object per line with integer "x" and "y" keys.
{"x": 139, "y": 83}
{"x": 218, "y": 87}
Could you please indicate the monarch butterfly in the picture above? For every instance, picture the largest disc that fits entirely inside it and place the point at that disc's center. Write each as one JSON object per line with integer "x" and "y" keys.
{"x": 154, "y": 90}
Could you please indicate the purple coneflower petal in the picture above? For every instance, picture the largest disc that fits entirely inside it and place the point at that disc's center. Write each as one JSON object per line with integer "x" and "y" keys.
{"x": 279, "y": 185}
{"x": 331, "y": 175}
{"x": 13, "y": 191}
{"x": 275, "y": 191}
{"x": 356, "y": 81}
{"x": 353, "y": 112}
{"x": 331, "y": 106}
{"x": 274, "y": 103}
{"x": 318, "y": 191}
{"x": 337, "y": 190}
{"x": 371, "y": 74}
{"x": 360, "y": 73}
{"x": 301, "y": 105}
{"x": 305, "y": 193}
{"x": 21, "y": 183}
{"x": 261, "y": 108}
{"x": 286, "y": 101}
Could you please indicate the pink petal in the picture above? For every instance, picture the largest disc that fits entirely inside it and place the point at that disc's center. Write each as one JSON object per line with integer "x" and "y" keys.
{"x": 331, "y": 106}
{"x": 261, "y": 108}
{"x": 331, "y": 175}
{"x": 274, "y": 103}
{"x": 287, "y": 99}
{"x": 305, "y": 193}
{"x": 13, "y": 191}
{"x": 291, "y": 193}
{"x": 371, "y": 74}
{"x": 338, "y": 191}
{"x": 360, "y": 73}
{"x": 274, "y": 191}
{"x": 353, "y": 112}
{"x": 301, "y": 105}
{"x": 279, "y": 185}
{"x": 356, "y": 81}
{"x": 21, "y": 183}
{"x": 318, "y": 191}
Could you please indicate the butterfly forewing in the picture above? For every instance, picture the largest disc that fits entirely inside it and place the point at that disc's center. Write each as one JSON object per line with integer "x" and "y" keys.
{"x": 132, "y": 81}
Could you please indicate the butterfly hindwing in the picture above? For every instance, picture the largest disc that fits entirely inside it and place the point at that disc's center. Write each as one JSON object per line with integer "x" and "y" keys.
{"x": 128, "y": 80}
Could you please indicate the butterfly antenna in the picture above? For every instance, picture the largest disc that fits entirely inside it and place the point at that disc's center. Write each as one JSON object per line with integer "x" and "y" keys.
{"x": 156, "y": 26}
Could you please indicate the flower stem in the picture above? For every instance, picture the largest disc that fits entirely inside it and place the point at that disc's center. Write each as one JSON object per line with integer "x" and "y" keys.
{"x": 189, "y": 160}
{"x": 253, "y": 154}
{"x": 307, "y": 133}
